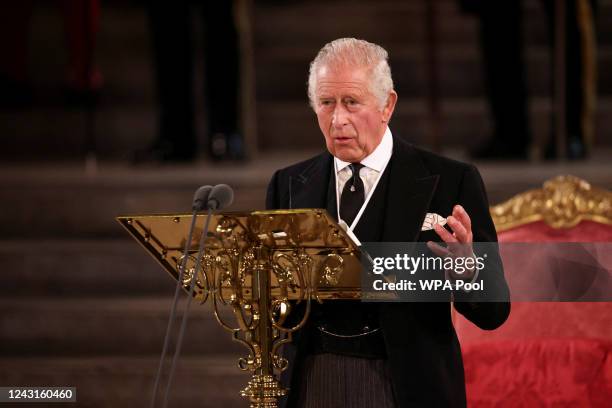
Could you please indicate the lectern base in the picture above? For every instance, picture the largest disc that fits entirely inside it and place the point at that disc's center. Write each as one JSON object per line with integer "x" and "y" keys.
{"x": 263, "y": 391}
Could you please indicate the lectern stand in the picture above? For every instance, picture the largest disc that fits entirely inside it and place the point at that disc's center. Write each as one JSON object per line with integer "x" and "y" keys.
{"x": 260, "y": 264}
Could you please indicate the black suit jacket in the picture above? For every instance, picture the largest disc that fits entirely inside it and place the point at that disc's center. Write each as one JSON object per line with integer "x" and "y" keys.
{"x": 421, "y": 344}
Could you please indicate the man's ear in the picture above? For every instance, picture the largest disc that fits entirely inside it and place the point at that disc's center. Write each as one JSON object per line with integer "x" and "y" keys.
{"x": 389, "y": 106}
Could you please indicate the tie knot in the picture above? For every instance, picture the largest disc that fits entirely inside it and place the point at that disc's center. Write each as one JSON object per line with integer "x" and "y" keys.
{"x": 355, "y": 167}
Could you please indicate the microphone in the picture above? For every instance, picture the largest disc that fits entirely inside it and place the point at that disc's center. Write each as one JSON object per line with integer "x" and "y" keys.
{"x": 220, "y": 197}
{"x": 212, "y": 199}
{"x": 200, "y": 198}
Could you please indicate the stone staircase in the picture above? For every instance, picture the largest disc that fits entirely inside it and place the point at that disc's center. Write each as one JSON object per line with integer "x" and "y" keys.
{"x": 104, "y": 337}
{"x": 284, "y": 49}
{"x": 284, "y": 41}
{"x": 82, "y": 304}
{"x": 92, "y": 314}
{"x": 126, "y": 381}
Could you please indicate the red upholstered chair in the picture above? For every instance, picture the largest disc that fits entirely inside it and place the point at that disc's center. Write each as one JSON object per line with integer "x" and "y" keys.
{"x": 547, "y": 354}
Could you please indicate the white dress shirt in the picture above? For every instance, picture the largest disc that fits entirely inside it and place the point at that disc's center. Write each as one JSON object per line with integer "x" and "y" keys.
{"x": 374, "y": 165}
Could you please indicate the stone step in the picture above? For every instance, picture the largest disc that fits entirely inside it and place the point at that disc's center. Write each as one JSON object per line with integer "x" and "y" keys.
{"x": 109, "y": 326}
{"x": 283, "y": 124}
{"x": 277, "y": 23}
{"x": 465, "y": 122}
{"x": 282, "y": 71}
{"x": 282, "y": 60}
{"x": 127, "y": 382}
{"x": 124, "y": 53}
{"x": 65, "y": 200}
{"x": 77, "y": 268}
{"x": 504, "y": 180}
{"x": 54, "y": 132}
{"x": 126, "y": 117}
{"x": 57, "y": 202}
{"x": 128, "y": 67}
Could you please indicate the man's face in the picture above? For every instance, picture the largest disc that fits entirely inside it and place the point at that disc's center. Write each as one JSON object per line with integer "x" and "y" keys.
{"x": 349, "y": 115}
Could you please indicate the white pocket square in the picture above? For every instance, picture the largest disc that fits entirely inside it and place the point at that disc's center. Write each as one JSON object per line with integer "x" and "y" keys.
{"x": 432, "y": 219}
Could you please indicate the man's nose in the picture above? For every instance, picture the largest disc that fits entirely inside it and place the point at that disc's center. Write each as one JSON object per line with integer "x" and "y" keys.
{"x": 340, "y": 116}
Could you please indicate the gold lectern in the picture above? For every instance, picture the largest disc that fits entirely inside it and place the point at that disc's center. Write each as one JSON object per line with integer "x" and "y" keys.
{"x": 260, "y": 264}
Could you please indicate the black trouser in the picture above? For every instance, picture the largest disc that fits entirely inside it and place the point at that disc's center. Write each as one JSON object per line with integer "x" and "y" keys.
{"x": 173, "y": 42}
{"x": 504, "y": 68}
{"x": 337, "y": 381}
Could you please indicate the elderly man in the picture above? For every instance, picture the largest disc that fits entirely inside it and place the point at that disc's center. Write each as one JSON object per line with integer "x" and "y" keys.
{"x": 354, "y": 354}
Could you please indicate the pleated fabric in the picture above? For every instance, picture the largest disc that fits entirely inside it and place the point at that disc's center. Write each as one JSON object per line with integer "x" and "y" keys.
{"x": 338, "y": 381}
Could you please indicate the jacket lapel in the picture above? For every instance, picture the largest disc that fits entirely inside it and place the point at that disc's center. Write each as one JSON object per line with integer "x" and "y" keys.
{"x": 332, "y": 207}
{"x": 311, "y": 188}
{"x": 370, "y": 228}
{"x": 410, "y": 189}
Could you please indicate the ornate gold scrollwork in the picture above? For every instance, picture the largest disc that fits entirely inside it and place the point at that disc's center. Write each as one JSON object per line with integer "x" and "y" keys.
{"x": 231, "y": 271}
{"x": 563, "y": 202}
{"x": 202, "y": 284}
{"x": 264, "y": 269}
{"x": 329, "y": 274}
{"x": 289, "y": 268}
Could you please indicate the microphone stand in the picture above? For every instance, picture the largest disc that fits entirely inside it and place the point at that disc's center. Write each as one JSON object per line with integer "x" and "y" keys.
{"x": 200, "y": 197}
{"x": 177, "y": 291}
{"x": 179, "y": 342}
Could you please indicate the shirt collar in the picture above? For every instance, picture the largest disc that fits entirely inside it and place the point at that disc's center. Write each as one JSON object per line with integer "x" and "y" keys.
{"x": 376, "y": 160}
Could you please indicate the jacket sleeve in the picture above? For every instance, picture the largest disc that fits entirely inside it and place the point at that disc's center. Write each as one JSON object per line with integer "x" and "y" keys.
{"x": 477, "y": 306}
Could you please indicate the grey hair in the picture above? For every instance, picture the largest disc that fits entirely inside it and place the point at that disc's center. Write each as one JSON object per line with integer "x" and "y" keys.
{"x": 351, "y": 52}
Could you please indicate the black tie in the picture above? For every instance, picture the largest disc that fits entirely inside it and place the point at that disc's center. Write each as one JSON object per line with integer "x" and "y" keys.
{"x": 353, "y": 195}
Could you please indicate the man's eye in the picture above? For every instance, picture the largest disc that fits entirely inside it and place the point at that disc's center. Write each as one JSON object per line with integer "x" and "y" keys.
{"x": 326, "y": 103}
{"x": 351, "y": 102}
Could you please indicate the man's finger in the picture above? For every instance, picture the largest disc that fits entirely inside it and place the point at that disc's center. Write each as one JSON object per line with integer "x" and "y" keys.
{"x": 461, "y": 233}
{"x": 462, "y": 215}
{"x": 444, "y": 234}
